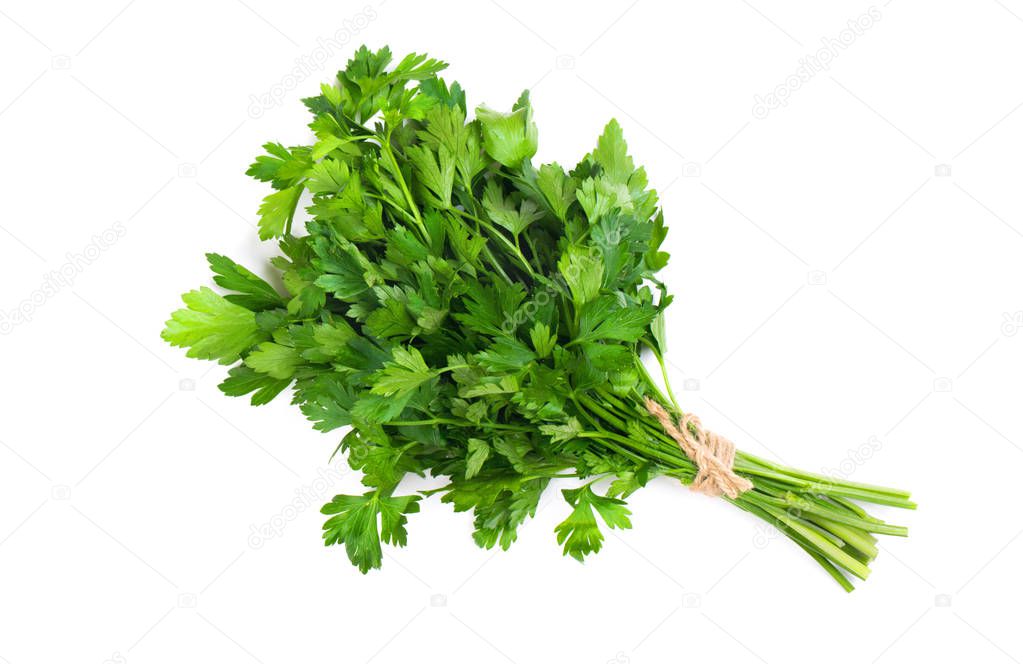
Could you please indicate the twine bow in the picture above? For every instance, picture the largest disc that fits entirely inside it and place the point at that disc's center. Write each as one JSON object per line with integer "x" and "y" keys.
{"x": 712, "y": 454}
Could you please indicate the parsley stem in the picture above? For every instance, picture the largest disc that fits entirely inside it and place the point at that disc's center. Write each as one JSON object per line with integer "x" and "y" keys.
{"x": 487, "y": 251}
{"x": 751, "y": 464}
{"x": 532, "y": 249}
{"x": 832, "y": 533}
{"x": 385, "y": 147}
{"x": 822, "y": 479}
{"x": 664, "y": 372}
{"x": 512, "y": 246}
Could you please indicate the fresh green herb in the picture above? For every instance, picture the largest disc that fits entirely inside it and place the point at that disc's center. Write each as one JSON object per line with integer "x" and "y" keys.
{"x": 477, "y": 319}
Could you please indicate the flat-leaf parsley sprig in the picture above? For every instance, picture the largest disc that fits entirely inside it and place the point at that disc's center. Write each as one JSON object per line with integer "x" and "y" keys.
{"x": 475, "y": 318}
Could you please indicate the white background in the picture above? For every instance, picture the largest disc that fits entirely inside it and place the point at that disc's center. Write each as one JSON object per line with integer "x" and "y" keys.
{"x": 841, "y": 304}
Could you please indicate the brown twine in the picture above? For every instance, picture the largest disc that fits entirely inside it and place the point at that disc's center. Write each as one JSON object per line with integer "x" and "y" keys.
{"x": 712, "y": 454}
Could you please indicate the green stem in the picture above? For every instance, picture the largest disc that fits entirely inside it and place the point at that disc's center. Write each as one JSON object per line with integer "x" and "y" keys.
{"x": 532, "y": 250}
{"x": 804, "y": 505}
{"x": 385, "y": 147}
{"x": 821, "y": 543}
{"x": 815, "y": 514}
{"x": 667, "y": 382}
{"x": 824, "y": 480}
{"x": 497, "y": 235}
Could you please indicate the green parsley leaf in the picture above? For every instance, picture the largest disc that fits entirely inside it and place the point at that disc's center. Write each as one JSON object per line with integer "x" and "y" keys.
{"x": 404, "y": 373}
{"x": 509, "y": 137}
{"x": 580, "y": 533}
{"x": 361, "y": 523}
{"x": 557, "y": 188}
{"x": 275, "y": 360}
{"x": 251, "y": 292}
{"x": 582, "y": 272}
{"x": 212, "y": 328}
{"x": 479, "y": 452}
{"x": 604, "y": 319}
{"x": 277, "y": 211}
{"x": 242, "y": 380}
{"x": 543, "y": 340}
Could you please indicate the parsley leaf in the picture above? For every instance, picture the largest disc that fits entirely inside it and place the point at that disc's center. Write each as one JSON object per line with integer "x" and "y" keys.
{"x": 579, "y": 532}
{"x": 404, "y": 373}
{"x": 212, "y": 328}
{"x": 509, "y": 137}
{"x": 361, "y": 523}
{"x": 275, "y": 360}
{"x": 251, "y": 292}
{"x": 243, "y": 380}
{"x": 479, "y": 452}
{"x": 277, "y": 211}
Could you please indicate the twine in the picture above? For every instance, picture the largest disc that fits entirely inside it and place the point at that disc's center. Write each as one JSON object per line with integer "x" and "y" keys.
{"x": 712, "y": 454}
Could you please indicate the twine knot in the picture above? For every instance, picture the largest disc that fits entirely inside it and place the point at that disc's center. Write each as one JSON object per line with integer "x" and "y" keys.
{"x": 712, "y": 454}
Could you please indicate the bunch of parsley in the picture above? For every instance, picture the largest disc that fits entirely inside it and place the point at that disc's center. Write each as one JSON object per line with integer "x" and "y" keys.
{"x": 476, "y": 319}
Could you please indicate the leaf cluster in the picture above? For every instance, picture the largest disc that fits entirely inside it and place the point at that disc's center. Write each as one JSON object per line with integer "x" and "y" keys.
{"x": 448, "y": 303}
